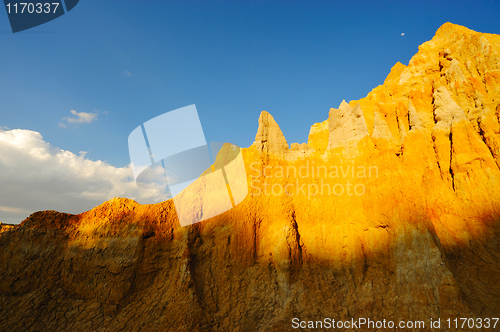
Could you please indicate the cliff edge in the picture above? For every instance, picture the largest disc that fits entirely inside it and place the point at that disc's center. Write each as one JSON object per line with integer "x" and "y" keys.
{"x": 390, "y": 211}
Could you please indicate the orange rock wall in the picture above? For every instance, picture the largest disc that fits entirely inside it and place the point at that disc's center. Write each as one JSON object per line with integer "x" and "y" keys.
{"x": 413, "y": 235}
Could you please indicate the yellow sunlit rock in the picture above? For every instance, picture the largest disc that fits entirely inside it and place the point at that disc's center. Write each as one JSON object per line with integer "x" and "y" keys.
{"x": 390, "y": 211}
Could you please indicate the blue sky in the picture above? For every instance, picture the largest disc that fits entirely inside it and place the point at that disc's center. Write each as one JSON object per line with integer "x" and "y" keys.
{"x": 129, "y": 61}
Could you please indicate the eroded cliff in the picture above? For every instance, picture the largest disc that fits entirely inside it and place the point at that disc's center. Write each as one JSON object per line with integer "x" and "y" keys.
{"x": 391, "y": 211}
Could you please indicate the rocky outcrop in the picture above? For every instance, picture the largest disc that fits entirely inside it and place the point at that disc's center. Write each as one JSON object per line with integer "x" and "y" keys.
{"x": 414, "y": 120}
{"x": 318, "y": 136}
{"x": 347, "y": 126}
{"x": 270, "y": 138}
{"x": 446, "y": 110}
{"x": 6, "y": 227}
{"x": 390, "y": 212}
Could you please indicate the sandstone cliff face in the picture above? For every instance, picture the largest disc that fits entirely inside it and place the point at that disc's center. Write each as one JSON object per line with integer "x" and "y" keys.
{"x": 318, "y": 136}
{"x": 270, "y": 138}
{"x": 391, "y": 211}
{"x": 5, "y": 227}
{"x": 347, "y": 126}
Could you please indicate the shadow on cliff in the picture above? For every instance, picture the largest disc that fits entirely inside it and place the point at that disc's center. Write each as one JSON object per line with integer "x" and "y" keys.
{"x": 123, "y": 264}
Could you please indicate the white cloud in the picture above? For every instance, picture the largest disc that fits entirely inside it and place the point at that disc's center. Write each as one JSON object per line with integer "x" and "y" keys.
{"x": 80, "y": 117}
{"x": 37, "y": 176}
{"x": 10, "y": 209}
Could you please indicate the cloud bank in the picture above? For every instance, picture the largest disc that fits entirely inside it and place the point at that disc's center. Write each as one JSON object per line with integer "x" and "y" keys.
{"x": 37, "y": 176}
